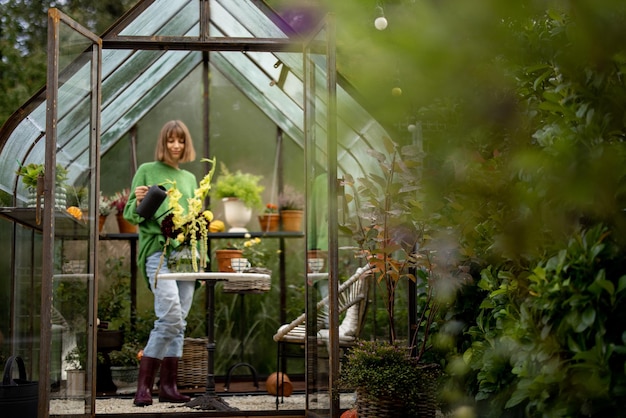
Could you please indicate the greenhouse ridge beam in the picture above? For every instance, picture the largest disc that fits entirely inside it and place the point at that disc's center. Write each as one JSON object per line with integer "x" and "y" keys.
{"x": 211, "y": 44}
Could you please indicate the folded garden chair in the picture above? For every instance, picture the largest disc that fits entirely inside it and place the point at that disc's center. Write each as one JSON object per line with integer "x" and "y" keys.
{"x": 352, "y": 300}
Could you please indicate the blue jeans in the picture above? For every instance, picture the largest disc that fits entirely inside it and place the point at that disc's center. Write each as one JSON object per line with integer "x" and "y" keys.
{"x": 172, "y": 301}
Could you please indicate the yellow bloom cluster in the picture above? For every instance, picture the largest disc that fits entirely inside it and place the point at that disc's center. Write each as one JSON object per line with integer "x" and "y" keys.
{"x": 194, "y": 222}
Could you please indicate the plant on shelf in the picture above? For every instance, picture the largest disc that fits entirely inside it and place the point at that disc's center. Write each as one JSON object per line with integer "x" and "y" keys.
{"x": 104, "y": 205}
{"x": 119, "y": 199}
{"x": 260, "y": 253}
{"x": 269, "y": 220}
{"x": 243, "y": 186}
{"x": 291, "y": 206}
{"x": 31, "y": 172}
{"x": 290, "y": 199}
{"x": 78, "y": 196}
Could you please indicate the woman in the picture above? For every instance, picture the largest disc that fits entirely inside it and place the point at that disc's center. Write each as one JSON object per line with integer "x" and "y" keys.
{"x": 172, "y": 299}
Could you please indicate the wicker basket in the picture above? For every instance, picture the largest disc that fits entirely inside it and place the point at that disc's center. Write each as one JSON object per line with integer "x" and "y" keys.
{"x": 255, "y": 285}
{"x": 194, "y": 366}
{"x": 370, "y": 406}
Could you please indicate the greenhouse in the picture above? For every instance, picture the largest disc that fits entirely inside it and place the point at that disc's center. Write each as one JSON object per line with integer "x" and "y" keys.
{"x": 259, "y": 97}
{"x": 390, "y": 208}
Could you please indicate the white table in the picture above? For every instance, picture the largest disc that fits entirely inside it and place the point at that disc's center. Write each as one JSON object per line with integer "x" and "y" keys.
{"x": 210, "y": 400}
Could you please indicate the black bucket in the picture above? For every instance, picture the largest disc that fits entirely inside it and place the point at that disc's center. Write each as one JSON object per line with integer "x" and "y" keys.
{"x": 149, "y": 205}
{"x": 18, "y": 397}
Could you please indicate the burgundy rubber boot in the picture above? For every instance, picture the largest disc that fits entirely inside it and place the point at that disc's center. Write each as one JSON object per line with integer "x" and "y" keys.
{"x": 168, "y": 391}
{"x": 148, "y": 367}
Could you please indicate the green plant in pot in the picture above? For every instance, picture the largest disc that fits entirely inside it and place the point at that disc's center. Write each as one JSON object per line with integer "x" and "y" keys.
{"x": 240, "y": 193}
{"x": 76, "y": 358}
{"x": 389, "y": 381}
{"x": 125, "y": 367}
{"x": 291, "y": 206}
{"x": 30, "y": 173}
{"x": 33, "y": 174}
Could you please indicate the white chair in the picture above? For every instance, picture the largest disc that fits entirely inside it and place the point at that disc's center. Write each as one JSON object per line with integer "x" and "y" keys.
{"x": 352, "y": 300}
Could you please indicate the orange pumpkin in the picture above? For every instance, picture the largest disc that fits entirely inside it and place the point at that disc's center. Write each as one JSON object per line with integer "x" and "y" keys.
{"x": 75, "y": 212}
{"x": 350, "y": 413}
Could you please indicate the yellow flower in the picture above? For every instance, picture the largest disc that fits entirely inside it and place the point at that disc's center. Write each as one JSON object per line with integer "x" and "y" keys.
{"x": 208, "y": 215}
{"x": 193, "y": 222}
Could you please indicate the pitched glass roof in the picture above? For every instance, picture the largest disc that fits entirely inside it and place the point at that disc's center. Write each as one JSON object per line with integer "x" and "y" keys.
{"x": 135, "y": 80}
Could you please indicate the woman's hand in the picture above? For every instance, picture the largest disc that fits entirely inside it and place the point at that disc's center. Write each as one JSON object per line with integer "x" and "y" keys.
{"x": 140, "y": 193}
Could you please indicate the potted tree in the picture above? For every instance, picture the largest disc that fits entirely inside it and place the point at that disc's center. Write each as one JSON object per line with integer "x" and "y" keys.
{"x": 392, "y": 235}
{"x": 240, "y": 193}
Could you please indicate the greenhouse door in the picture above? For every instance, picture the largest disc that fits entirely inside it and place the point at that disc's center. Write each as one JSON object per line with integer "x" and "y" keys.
{"x": 320, "y": 133}
{"x": 70, "y": 237}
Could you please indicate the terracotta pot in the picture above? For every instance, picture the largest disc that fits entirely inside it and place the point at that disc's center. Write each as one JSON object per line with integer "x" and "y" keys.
{"x": 223, "y": 259}
{"x": 101, "y": 221}
{"x": 279, "y": 383}
{"x": 292, "y": 220}
{"x": 269, "y": 222}
{"x": 125, "y": 226}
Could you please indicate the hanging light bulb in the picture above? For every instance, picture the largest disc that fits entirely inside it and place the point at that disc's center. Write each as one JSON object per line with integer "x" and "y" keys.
{"x": 380, "y": 22}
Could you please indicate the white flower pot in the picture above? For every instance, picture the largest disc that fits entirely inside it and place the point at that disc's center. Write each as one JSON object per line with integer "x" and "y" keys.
{"x": 237, "y": 214}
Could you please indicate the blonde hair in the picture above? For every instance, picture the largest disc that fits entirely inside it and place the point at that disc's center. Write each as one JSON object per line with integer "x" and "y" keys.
{"x": 179, "y": 129}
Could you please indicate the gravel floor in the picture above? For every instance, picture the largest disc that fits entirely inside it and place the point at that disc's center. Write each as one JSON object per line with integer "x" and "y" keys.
{"x": 243, "y": 403}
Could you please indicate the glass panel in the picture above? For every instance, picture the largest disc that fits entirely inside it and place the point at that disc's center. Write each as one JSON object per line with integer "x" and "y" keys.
{"x": 320, "y": 148}
{"x": 70, "y": 256}
{"x": 165, "y": 17}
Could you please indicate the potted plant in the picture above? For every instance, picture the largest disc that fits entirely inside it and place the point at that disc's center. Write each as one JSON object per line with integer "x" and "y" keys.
{"x": 118, "y": 201}
{"x": 389, "y": 381}
{"x": 76, "y": 360}
{"x": 392, "y": 235}
{"x": 104, "y": 210}
{"x": 269, "y": 220}
{"x": 33, "y": 173}
{"x": 240, "y": 192}
{"x": 125, "y": 367}
{"x": 291, "y": 207}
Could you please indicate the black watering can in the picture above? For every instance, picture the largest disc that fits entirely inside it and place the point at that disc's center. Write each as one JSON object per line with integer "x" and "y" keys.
{"x": 149, "y": 205}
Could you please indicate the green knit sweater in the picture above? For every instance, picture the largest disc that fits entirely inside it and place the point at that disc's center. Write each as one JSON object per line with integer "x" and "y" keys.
{"x": 151, "y": 239}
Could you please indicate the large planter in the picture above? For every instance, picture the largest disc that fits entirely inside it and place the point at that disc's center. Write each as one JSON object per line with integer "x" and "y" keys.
{"x": 223, "y": 259}
{"x": 237, "y": 214}
{"x": 125, "y": 378}
{"x": 292, "y": 220}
